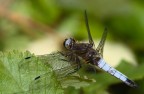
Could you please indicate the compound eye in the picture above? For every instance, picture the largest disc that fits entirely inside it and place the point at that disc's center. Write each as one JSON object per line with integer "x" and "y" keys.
{"x": 69, "y": 43}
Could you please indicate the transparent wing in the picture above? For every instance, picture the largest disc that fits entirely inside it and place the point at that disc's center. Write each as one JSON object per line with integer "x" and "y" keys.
{"x": 46, "y": 74}
{"x": 88, "y": 29}
{"x": 102, "y": 42}
{"x": 45, "y": 81}
{"x": 52, "y": 73}
{"x": 29, "y": 68}
{"x": 66, "y": 76}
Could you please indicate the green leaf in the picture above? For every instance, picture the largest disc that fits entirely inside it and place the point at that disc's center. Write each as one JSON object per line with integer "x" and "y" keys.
{"x": 18, "y": 71}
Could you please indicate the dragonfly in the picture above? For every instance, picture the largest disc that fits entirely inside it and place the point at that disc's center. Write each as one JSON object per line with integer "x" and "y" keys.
{"x": 66, "y": 63}
{"x": 87, "y": 52}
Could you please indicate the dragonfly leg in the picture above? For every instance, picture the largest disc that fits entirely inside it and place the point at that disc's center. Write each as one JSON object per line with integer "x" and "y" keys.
{"x": 77, "y": 60}
{"x": 73, "y": 58}
{"x": 66, "y": 54}
{"x": 91, "y": 68}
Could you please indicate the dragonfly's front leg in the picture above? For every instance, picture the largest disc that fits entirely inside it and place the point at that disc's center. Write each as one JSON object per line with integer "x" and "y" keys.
{"x": 72, "y": 58}
{"x": 76, "y": 60}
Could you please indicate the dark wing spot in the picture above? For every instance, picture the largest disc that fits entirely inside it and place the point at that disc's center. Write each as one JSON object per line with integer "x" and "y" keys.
{"x": 28, "y": 57}
{"x": 37, "y": 77}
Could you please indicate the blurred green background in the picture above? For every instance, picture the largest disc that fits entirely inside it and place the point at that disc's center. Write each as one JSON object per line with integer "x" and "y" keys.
{"x": 40, "y": 26}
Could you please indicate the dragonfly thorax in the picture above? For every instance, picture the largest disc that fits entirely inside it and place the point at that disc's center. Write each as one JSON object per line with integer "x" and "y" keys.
{"x": 68, "y": 43}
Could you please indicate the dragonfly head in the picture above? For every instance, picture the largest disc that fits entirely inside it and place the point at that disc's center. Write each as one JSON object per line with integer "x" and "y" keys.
{"x": 68, "y": 43}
